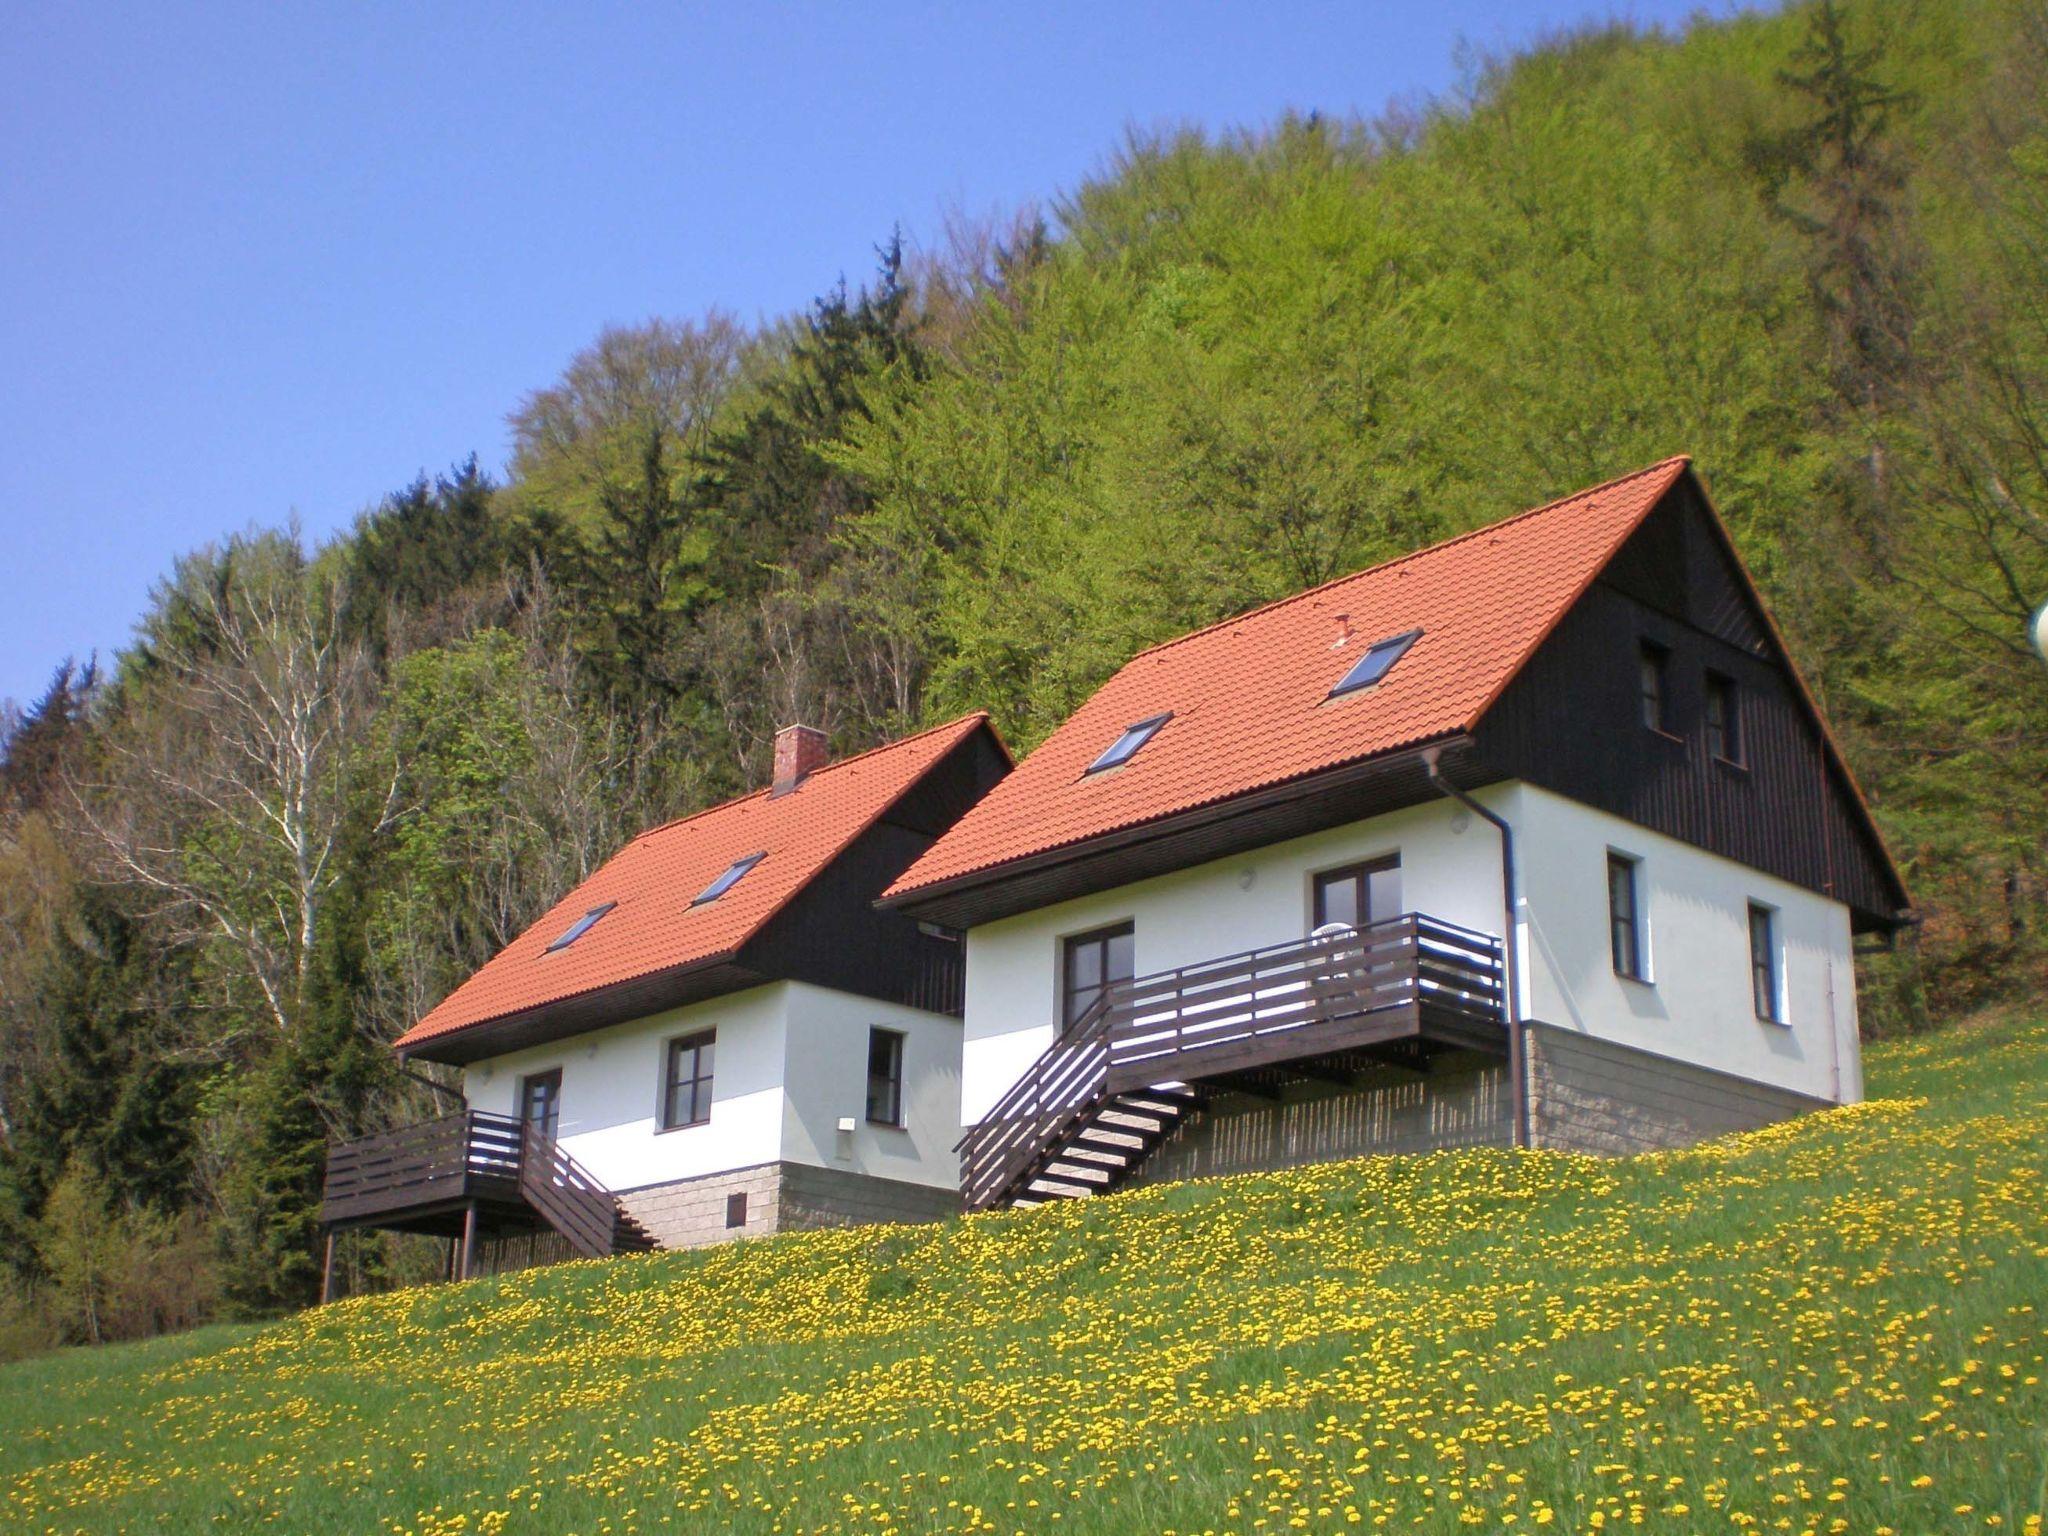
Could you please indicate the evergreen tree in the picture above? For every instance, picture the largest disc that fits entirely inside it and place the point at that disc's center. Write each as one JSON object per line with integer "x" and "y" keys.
{"x": 34, "y": 751}
{"x": 103, "y": 1092}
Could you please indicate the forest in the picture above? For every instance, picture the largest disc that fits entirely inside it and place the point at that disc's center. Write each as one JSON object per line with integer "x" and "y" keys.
{"x": 324, "y": 781}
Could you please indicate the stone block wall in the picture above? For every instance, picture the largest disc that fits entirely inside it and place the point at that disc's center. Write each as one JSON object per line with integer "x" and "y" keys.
{"x": 1588, "y": 1095}
{"x": 781, "y": 1197}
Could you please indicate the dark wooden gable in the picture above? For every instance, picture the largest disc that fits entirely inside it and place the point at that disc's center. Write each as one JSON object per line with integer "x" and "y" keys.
{"x": 1571, "y": 720}
{"x": 833, "y": 935}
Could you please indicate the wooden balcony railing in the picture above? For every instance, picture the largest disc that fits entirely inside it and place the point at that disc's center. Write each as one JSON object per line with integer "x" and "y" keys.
{"x": 1411, "y": 976}
{"x": 442, "y": 1165}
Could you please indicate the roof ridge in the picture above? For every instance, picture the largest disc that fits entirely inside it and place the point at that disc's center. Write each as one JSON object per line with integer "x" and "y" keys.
{"x": 844, "y": 762}
{"x": 1413, "y": 554}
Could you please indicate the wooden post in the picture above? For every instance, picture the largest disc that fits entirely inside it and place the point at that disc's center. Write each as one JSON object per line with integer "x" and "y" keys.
{"x": 468, "y": 1241}
{"x": 327, "y": 1271}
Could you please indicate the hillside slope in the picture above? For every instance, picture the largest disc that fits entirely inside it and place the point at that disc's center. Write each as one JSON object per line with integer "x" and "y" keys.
{"x": 1835, "y": 1325}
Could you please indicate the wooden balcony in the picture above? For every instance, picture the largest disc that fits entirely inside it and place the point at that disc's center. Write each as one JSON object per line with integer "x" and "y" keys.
{"x": 472, "y": 1176}
{"x": 1130, "y": 1069}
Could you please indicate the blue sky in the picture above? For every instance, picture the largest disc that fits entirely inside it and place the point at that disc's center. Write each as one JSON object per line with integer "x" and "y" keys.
{"x": 273, "y": 259}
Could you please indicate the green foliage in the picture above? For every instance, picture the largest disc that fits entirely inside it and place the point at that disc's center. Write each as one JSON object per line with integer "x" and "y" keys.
{"x": 1805, "y": 246}
{"x": 106, "y": 1101}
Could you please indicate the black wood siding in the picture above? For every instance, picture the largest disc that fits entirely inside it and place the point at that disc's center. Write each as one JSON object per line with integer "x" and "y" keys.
{"x": 1571, "y": 721}
{"x": 833, "y": 935}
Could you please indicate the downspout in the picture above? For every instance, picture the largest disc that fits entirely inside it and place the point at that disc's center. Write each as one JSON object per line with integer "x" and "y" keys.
{"x": 1518, "y": 1074}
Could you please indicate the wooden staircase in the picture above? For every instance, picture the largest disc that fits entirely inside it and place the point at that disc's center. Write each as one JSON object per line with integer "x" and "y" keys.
{"x": 1104, "y": 1143}
{"x": 1131, "y": 1070}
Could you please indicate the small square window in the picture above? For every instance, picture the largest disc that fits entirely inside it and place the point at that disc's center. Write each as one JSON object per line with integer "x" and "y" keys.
{"x": 580, "y": 927}
{"x": 727, "y": 880}
{"x": 736, "y": 1209}
{"x": 1125, "y": 747}
{"x": 1376, "y": 663}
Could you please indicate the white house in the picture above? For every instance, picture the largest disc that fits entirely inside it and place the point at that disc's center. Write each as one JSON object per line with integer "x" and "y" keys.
{"x": 1246, "y": 908}
{"x": 717, "y": 1034}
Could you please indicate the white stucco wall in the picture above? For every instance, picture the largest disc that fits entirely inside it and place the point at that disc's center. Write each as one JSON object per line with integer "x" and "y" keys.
{"x": 1450, "y": 868}
{"x": 790, "y": 1060}
{"x": 1696, "y": 1003}
{"x": 1697, "y": 1008}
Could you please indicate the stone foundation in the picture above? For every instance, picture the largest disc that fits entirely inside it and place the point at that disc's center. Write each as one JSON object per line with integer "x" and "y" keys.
{"x": 780, "y": 1197}
{"x": 1588, "y": 1095}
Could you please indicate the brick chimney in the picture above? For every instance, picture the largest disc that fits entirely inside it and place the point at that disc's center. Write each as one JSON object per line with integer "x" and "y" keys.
{"x": 800, "y": 751}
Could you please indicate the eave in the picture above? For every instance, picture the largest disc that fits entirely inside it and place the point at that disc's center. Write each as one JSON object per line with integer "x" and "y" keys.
{"x": 1273, "y": 813}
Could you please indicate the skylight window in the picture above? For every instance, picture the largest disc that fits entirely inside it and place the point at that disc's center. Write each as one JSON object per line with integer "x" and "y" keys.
{"x": 1376, "y": 663}
{"x": 728, "y": 880}
{"x": 1125, "y": 747}
{"x": 580, "y": 927}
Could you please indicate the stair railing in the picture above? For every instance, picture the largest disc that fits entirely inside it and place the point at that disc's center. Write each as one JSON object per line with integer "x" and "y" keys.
{"x": 562, "y": 1190}
{"x": 1057, "y": 1088}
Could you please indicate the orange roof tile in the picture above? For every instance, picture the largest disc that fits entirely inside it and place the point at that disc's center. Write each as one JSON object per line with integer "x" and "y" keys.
{"x": 1249, "y": 695}
{"x": 654, "y": 878}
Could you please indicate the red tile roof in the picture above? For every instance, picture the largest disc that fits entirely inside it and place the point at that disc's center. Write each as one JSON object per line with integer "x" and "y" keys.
{"x": 654, "y": 878}
{"x": 1249, "y": 695}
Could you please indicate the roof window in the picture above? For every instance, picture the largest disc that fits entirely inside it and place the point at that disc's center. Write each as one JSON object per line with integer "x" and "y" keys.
{"x": 580, "y": 927}
{"x": 1125, "y": 747}
{"x": 728, "y": 880}
{"x": 1376, "y": 663}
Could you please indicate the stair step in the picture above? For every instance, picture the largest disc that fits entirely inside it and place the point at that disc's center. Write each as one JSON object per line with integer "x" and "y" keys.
{"x": 1061, "y": 1168}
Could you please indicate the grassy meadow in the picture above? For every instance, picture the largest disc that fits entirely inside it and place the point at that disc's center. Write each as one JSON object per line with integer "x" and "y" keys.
{"x": 1837, "y": 1325}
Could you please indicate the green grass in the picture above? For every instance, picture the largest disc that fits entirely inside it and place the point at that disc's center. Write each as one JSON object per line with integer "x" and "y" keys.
{"x": 1836, "y": 1325}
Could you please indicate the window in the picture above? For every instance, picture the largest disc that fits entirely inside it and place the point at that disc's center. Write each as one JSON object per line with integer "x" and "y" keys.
{"x": 728, "y": 880}
{"x": 580, "y": 927}
{"x": 1724, "y": 720}
{"x": 1360, "y": 895}
{"x": 1376, "y": 663}
{"x": 1655, "y": 663}
{"x": 1624, "y": 918}
{"x": 1125, "y": 747}
{"x": 1763, "y": 963}
{"x": 885, "y": 1077}
{"x": 686, "y": 1090}
{"x": 540, "y": 1101}
{"x": 736, "y": 1209}
{"x": 1090, "y": 962}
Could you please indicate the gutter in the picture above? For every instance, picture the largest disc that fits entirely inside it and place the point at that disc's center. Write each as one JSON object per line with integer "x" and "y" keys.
{"x": 1518, "y": 1073}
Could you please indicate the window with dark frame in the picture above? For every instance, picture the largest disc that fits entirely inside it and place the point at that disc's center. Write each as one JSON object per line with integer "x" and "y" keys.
{"x": 1089, "y": 964}
{"x": 1359, "y": 895}
{"x": 1724, "y": 719}
{"x": 540, "y": 1101}
{"x": 1654, "y": 667}
{"x": 686, "y": 1091}
{"x": 736, "y": 1209}
{"x": 1624, "y": 917}
{"x": 1376, "y": 663}
{"x": 727, "y": 880}
{"x": 1125, "y": 747}
{"x": 1763, "y": 963}
{"x": 885, "y": 1077}
{"x": 580, "y": 927}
